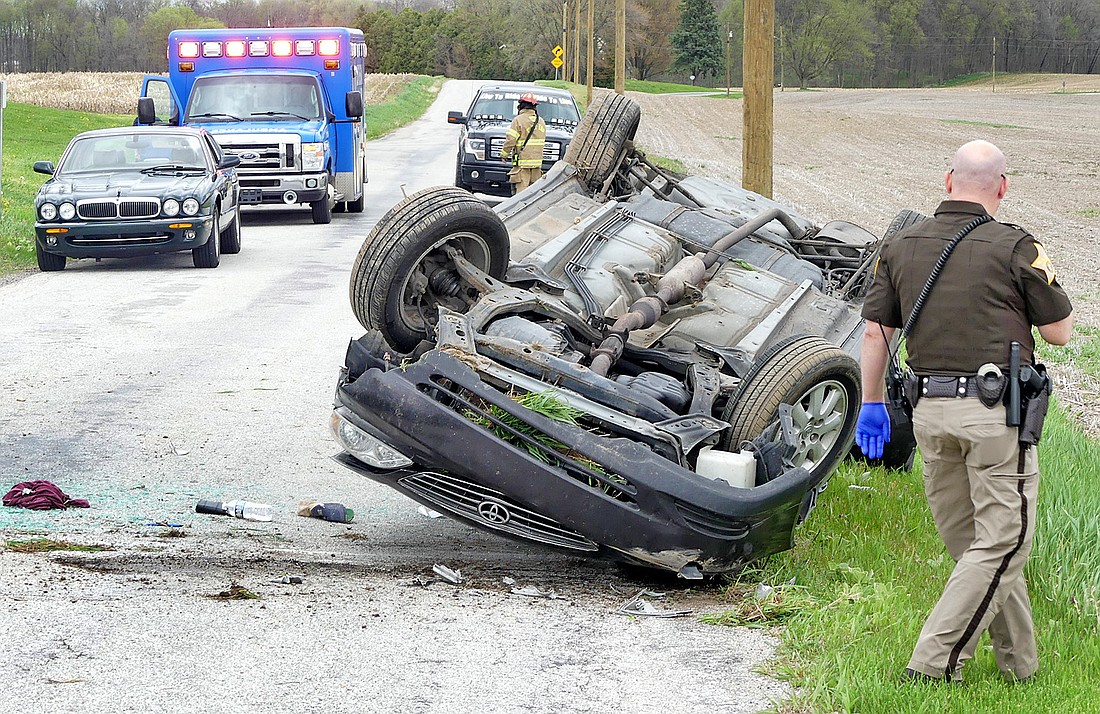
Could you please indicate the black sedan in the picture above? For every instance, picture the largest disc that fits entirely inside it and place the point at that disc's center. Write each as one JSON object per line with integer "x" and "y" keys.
{"x": 142, "y": 190}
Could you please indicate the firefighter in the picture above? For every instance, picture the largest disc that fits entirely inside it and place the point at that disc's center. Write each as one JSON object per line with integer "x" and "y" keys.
{"x": 524, "y": 143}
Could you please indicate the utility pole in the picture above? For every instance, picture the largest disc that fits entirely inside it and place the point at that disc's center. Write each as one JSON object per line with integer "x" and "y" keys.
{"x": 576, "y": 42}
{"x": 565, "y": 39}
{"x": 729, "y": 42}
{"x": 759, "y": 71}
{"x": 591, "y": 48}
{"x": 994, "y": 64}
{"x": 620, "y": 46}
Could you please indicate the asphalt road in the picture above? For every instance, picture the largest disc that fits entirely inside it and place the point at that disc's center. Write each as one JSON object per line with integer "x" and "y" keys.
{"x": 146, "y": 385}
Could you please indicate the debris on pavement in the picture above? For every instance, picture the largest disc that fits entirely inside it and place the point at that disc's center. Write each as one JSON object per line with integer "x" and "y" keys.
{"x": 41, "y": 496}
{"x": 425, "y": 511}
{"x": 289, "y": 580}
{"x": 638, "y": 605}
{"x": 532, "y": 591}
{"x": 335, "y": 512}
{"x": 452, "y": 576}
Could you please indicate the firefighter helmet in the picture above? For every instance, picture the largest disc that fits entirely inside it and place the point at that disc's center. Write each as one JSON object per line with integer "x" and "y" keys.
{"x": 529, "y": 98}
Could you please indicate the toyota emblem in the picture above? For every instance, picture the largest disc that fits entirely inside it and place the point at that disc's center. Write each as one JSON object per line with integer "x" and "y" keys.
{"x": 249, "y": 155}
{"x": 493, "y": 512}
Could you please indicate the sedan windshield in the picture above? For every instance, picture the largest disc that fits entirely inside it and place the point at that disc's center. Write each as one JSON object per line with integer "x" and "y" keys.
{"x": 131, "y": 152}
{"x": 240, "y": 97}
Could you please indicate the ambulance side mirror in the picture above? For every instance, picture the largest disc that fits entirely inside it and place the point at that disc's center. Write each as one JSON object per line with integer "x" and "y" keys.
{"x": 353, "y": 106}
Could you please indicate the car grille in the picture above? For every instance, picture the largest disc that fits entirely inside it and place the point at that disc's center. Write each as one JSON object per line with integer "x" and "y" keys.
{"x": 146, "y": 239}
{"x": 711, "y": 523}
{"x": 128, "y": 208}
{"x": 492, "y": 509}
{"x": 534, "y": 442}
{"x": 551, "y": 151}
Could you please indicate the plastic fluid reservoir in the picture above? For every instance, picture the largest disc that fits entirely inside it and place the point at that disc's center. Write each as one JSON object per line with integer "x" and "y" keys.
{"x": 735, "y": 468}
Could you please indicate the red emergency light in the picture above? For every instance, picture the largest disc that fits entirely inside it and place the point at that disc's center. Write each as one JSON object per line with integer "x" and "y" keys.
{"x": 328, "y": 48}
{"x": 234, "y": 48}
{"x": 281, "y": 48}
{"x": 189, "y": 50}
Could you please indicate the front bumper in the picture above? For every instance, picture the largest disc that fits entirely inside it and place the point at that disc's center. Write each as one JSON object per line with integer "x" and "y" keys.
{"x": 274, "y": 188}
{"x": 490, "y": 177}
{"x": 120, "y": 239}
{"x": 635, "y": 506}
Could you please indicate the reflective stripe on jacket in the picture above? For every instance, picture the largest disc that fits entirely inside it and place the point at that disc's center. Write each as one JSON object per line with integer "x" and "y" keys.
{"x": 531, "y": 155}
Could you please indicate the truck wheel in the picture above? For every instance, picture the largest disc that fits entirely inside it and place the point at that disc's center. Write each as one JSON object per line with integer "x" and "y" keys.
{"x": 822, "y": 383}
{"x": 601, "y": 141}
{"x": 48, "y": 262}
{"x": 458, "y": 174}
{"x": 402, "y": 274}
{"x": 208, "y": 255}
{"x": 322, "y": 210}
{"x": 231, "y": 239}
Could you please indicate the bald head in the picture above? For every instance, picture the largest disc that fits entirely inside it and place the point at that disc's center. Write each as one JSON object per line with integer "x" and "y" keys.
{"x": 978, "y": 174}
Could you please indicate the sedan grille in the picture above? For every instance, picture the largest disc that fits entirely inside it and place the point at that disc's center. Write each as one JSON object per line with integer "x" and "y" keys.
{"x": 493, "y": 509}
{"x": 113, "y": 208}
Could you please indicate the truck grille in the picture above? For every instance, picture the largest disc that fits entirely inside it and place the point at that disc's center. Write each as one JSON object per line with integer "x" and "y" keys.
{"x": 114, "y": 208}
{"x": 493, "y": 509}
{"x": 551, "y": 151}
{"x": 263, "y": 154}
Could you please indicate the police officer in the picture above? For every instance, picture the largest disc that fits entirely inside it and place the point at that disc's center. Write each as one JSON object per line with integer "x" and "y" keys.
{"x": 524, "y": 143}
{"x": 981, "y": 484}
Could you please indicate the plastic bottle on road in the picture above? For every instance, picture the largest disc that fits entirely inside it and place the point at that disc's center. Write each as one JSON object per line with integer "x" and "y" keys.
{"x": 246, "y": 510}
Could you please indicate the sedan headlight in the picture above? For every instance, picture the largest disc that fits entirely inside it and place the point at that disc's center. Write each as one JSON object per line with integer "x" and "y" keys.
{"x": 313, "y": 156}
{"x": 67, "y": 211}
{"x": 476, "y": 147}
{"x": 366, "y": 447}
{"x": 171, "y": 207}
{"x": 47, "y": 211}
{"x": 190, "y": 207}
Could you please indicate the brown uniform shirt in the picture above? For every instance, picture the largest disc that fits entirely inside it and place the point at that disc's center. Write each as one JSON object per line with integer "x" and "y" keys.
{"x": 997, "y": 283}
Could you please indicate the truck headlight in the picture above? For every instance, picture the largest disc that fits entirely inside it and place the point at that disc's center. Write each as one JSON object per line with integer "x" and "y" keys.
{"x": 47, "y": 211}
{"x": 313, "y": 156}
{"x": 366, "y": 447}
{"x": 476, "y": 147}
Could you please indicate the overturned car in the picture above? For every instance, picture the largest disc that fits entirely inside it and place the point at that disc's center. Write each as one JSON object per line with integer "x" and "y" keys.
{"x": 616, "y": 362}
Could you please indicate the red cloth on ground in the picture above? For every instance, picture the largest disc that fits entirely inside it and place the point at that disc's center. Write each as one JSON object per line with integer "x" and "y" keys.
{"x": 41, "y": 496}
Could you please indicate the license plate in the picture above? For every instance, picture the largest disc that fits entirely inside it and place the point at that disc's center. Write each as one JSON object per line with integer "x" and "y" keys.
{"x": 251, "y": 195}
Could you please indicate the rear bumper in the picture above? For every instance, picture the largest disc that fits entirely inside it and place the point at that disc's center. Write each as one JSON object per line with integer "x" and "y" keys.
{"x": 609, "y": 497}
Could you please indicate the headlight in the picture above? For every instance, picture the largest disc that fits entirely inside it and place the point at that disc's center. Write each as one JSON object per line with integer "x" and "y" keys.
{"x": 47, "y": 211}
{"x": 190, "y": 207}
{"x": 67, "y": 211}
{"x": 313, "y": 156}
{"x": 476, "y": 147}
{"x": 365, "y": 447}
{"x": 171, "y": 207}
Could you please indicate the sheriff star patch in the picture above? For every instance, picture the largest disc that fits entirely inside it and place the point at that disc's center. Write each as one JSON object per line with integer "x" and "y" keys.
{"x": 1042, "y": 263}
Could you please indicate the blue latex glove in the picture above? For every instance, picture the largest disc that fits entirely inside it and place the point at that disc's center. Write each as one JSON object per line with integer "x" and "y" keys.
{"x": 872, "y": 429}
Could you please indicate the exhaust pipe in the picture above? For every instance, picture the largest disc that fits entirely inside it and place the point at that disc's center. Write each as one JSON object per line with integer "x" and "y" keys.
{"x": 290, "y": 198}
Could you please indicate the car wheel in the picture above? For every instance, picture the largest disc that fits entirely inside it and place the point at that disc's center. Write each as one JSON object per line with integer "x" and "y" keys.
{"x": 48, "y": 262}
{"x": 822, "y": 383}
{"x": 231, "y": 239}
{"x": 402, "y": 273}
{"x": 322, "y": 210}
{"x": 903, "y": 220}
{"x": 208, "y": 255}
{"x": 602, "y": 138}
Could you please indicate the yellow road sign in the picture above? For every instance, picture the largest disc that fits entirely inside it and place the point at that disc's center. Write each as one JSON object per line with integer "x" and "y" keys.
{"x": 557, "y": 62}
{"x": 558, "y": 51}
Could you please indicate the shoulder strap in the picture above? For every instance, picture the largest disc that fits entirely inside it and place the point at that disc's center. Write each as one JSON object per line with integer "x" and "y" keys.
{"x": 529, "y": 133}
{"x": 937, "y": 268}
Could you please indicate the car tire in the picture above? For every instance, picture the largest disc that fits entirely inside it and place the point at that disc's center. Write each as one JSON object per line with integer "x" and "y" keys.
{"x": 48, "y": 262}
{"x": 322, "y": 211}
{"x": 603, "y": 138}
{"x": 820, "y": 380}
{"x": 208, "y": 255}
{"x": 231, "y": 239}
{"x": 902, "y": 221}
{"x": 403, "y": 249}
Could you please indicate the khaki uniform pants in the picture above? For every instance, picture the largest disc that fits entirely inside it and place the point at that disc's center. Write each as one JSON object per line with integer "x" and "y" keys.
{"x": 985, "y": 514}
{"x": 521, "y": 178}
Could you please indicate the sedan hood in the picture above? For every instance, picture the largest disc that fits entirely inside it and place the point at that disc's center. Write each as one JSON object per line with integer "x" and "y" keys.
{"x": 124, "y": 183}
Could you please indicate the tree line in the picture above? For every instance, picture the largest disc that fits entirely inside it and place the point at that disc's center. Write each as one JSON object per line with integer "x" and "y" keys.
{"x": 873, "y": 43}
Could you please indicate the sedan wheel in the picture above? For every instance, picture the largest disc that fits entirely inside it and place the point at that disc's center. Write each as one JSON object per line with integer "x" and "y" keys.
{"x": 208, "y": 255}
{"x": 48, "y": 262}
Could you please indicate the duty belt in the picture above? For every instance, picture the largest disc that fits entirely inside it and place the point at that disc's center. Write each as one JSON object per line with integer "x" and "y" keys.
{"x": 936, "y": 385}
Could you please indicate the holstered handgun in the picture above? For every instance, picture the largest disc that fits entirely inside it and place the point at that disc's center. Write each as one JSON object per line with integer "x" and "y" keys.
{"x": 1036, "y": 388}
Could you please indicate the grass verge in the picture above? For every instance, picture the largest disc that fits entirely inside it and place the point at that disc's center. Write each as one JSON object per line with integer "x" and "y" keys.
{"x": 48, "y": 545}
{"x": 580, "y": 91}
{"x": 868, "y": 566}
{"x": 33, "y": 133}
{"x": 410, "y": 104}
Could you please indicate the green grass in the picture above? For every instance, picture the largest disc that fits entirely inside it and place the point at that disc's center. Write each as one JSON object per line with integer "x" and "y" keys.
{"x": 1089, "y": 213}
{"x": 982, "y": 123}
{"x": 47, "y": 545}
{"x": 1083, "y": 351}
{"x": 410, "y": 104}
{"x": 33, "y": 133}
{"x": 964, "y": 79}
{"x": 868, "y": 566}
